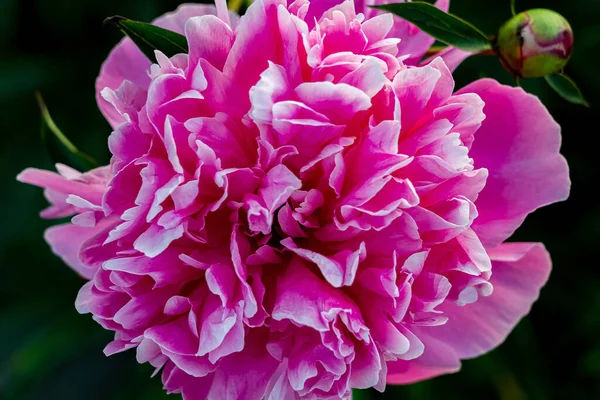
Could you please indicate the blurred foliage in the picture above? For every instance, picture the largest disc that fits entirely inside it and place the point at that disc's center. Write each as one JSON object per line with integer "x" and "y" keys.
{"x": 48, "y": 351}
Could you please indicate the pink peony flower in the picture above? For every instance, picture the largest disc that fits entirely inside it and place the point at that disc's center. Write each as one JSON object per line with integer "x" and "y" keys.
{"x": 296, "y": 208}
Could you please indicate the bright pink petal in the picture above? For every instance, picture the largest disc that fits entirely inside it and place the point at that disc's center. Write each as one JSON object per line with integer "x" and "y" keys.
{"x": 258, "y": 35}
{"x": 518, "y": 143}
{"x": 245, "y": 375}
{"x": 317, "y": 8}
{"x": 306, "y": 308}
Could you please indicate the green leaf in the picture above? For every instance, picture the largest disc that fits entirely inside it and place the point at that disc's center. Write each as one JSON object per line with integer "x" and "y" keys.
{"x": 513, "y": 8}
{"x": 444, "y": 27}
{"x": 148, "y": 37}
{"x": 566, "y": 88}
{"x": 61, "y": 149}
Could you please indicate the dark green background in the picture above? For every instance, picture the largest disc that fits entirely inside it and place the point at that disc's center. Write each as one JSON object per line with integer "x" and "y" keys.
{"x": 48, "y": 351}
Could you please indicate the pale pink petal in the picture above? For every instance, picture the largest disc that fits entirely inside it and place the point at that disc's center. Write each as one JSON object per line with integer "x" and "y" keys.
{"x": 174, "y": 336}
{"x": 209, "y": 38}
{"x": 420, "y": 90}
{"x": 437, "y": 359}
{"x": 156, "y": 239}
{"x": 368, "y": 77}
{"x": 340, "y": 102}
{"x": 452, "y": 56}
{"x": 276, "y": 187}
{"x": 272, "y": 87}
{"x": 519, "y": 270}
{"x": 53, "y": 181}
{"x": 66, "y": 241}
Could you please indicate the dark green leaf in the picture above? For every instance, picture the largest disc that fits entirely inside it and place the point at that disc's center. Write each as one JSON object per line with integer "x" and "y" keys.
{"x": 148, "y": 37}
{"x": 444, "y": 27}
{"x": 61, "y": 149}
{"x": 566, "y": 88}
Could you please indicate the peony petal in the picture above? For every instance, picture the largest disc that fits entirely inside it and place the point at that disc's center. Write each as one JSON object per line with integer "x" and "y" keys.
{"x": 165, "y": 269}
{"x": 317, "y": 8}
{"x": 340, "y": 102}
{"x": 519, "y": 144}
{"x": 174, "y": 336}
{"x": 272, "y": 87}
{"x": 209, "y": 38}
{"x": 257, "y": 38}
{"x": 66, "y": 241}
{"x": 452, "y": 56}
{"x": 89, "y": 191}
{"x": 245, "y": 375}
{"x": 368, "y": 77}
{"x": 276, "y": 187}
{"x": 414, "y": 41}
{"x": 437, "y": 359}
{"x": 127, "y": 62}
{"x": 156, "y": 239}
{"x": 420, "y": 90}
{"x": 338, "y": 269}
{"x": 141, "y": 311}
{"x": 519, "y": 270}
{"x": 306, "y": 307}
{"x": 377, "y": 28}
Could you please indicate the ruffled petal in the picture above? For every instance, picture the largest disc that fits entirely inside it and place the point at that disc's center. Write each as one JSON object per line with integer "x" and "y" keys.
{"x": 414, "y": 41}
{"x": 127, "y": 63}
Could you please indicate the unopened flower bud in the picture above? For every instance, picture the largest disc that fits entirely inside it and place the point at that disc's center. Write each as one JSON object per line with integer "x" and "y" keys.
{"x": 535, "y": 43}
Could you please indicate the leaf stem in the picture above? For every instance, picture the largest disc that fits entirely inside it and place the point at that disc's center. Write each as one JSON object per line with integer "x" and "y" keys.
{"x": 52, "y": 125}
{"x": 47, "y": 119}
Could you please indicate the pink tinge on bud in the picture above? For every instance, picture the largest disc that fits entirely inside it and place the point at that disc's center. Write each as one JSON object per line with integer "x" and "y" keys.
{"x": 535, "y": 43}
